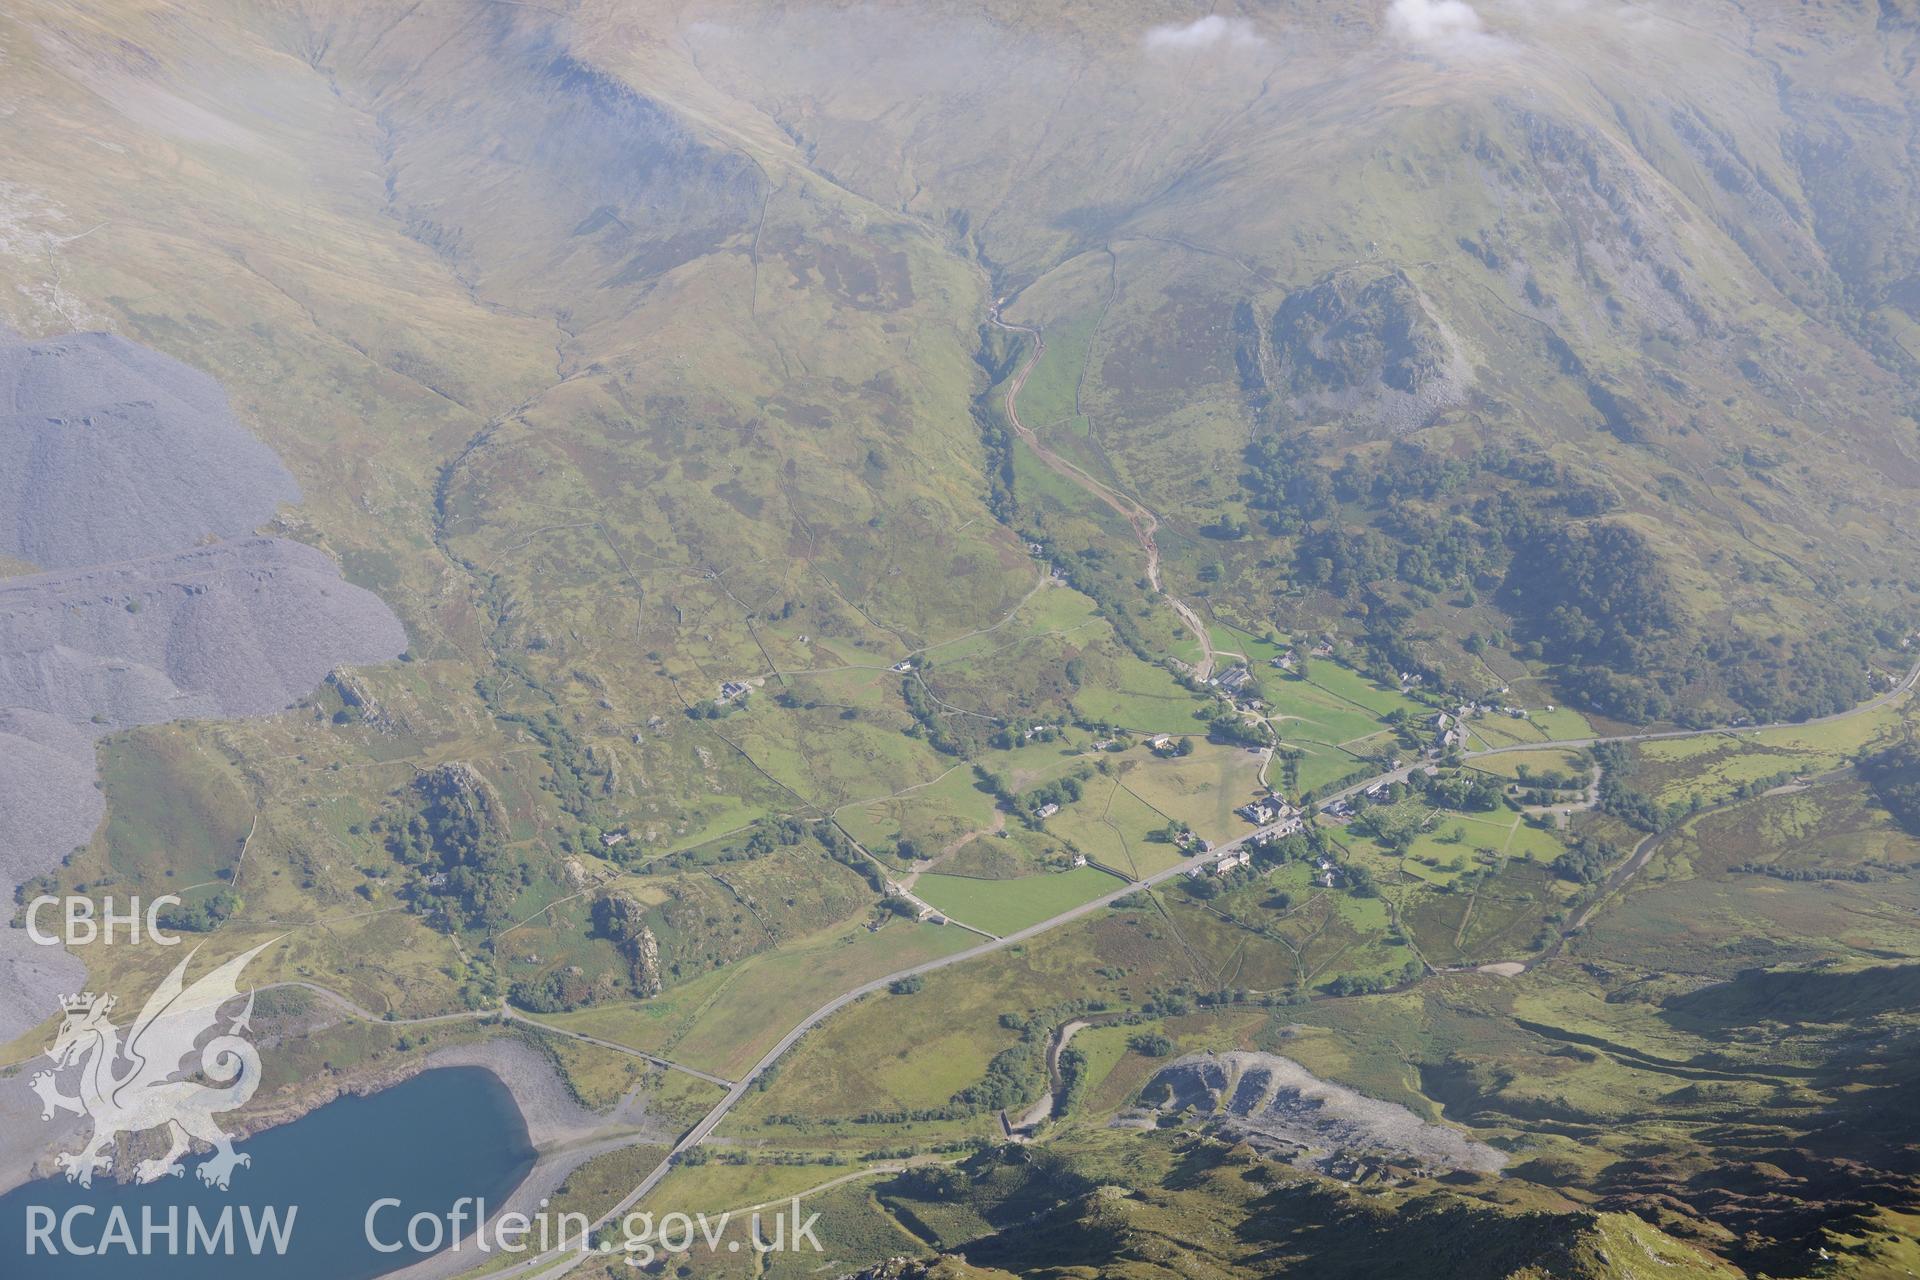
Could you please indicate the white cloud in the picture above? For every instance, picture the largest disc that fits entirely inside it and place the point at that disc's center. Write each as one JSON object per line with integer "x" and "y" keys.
{"x": 1452, "y": 26}
{"x": 1212, "y": 31}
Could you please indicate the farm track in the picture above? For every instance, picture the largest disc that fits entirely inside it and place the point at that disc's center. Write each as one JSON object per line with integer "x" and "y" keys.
{"x": 700, "y": 1132}
{"x": 1142, "y": 520}
{"x": 1144, "y": 524}
{"x": 559, "y": 1262}
{"x": 353, "y": 1010}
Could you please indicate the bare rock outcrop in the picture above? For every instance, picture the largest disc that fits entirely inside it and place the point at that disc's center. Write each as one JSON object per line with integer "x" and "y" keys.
{"x": 1275, "y": 1103}
{"x": 238, "y": 628}
{"x": 48, "y": 807}
{"x": 1366, "y": 347}
{"x": 117, "y": 457}
{"x": 109, "y": 450}
{"x": 621, "y": 916}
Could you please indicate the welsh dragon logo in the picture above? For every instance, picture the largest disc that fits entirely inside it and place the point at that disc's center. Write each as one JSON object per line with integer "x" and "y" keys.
{"x": 147, "y": 1093}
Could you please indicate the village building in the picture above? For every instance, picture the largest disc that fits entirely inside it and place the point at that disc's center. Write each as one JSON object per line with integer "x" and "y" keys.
{"x": 1259, "y": 812}
{"x": 1232, "y": 861}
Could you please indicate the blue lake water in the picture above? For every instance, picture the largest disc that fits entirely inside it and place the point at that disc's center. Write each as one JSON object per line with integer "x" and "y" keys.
{"x": 444, "y": 1134}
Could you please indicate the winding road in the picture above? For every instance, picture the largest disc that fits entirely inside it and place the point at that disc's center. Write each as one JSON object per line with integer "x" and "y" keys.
{"x": 1144, "y": 524}
{"x": 1575, "y": 744}
{"x": 560, "y": 1262}
{"x": 701, "y": 1131}
{"x": 746, "y": 1084}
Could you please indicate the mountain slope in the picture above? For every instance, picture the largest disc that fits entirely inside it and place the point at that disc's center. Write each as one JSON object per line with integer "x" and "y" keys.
{"x": 1599, "y": 240}
{"x": 787, "y": 432}
{"x": 1202, "y": 1209}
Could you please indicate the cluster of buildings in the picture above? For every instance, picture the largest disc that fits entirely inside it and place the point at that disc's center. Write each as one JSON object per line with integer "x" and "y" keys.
{"x": 1277, "y": 818}
{"x": 1237, "y": 683}
{"x": 1342, "y": 811}
{"x": 1230, "y": 861}
{"x": 1290, "y": 660}
{"x": 1269, "y": 810}
{"x": 1447, "y": 733}
{"x": 1450, "y": 727}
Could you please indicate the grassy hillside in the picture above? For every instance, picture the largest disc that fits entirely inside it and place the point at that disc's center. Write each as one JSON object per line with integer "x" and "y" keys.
{"x": 834, "y": 462}
{"x": 1390, "y": 331}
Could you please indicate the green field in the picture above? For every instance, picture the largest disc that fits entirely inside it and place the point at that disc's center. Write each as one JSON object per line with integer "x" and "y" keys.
{"x": 633, "y": 354}
{"x": 1304, "y": 710}
{"x": 1320, "y": 766}
{"x": 932, "y": 816}
{"x": 1111, "y": 825}
{"x": 1006, "y": 906}
{"x": 176, "y": 815}
{"x": 1350, "y": 686}
{"x": 724, "y": 1021}
{"x": 1509, "y": 764}
{"x": 1142, "y": 698}
{"x": 1047, "y": 399}
{"x": 1202, "y": 789}
{"x": 715, "y": 1187}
